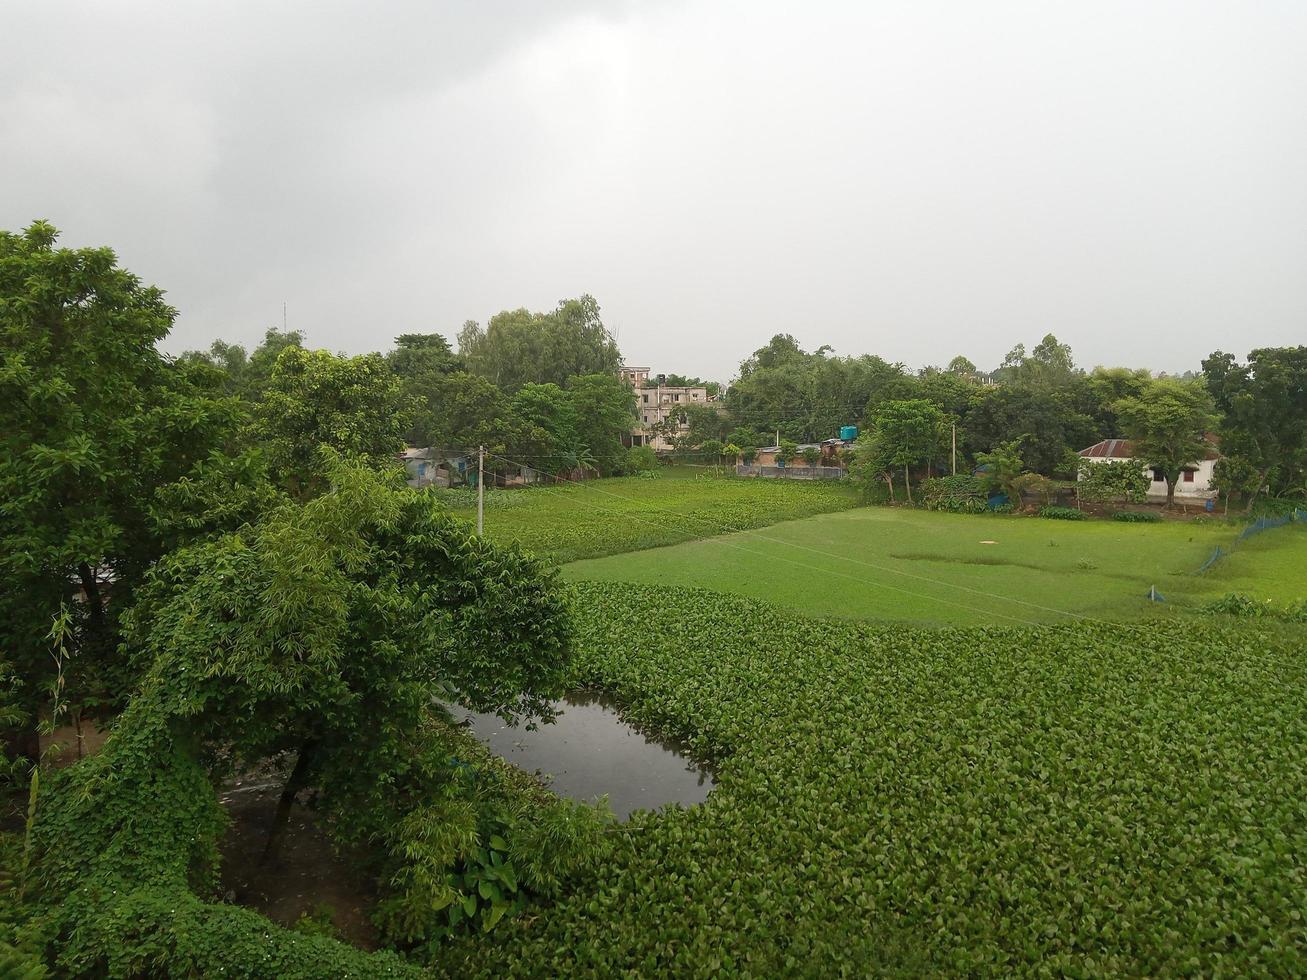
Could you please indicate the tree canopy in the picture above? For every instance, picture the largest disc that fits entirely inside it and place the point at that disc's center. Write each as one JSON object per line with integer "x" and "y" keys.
{"x": 93, "y": 419}
{"x": 518, "y": 347}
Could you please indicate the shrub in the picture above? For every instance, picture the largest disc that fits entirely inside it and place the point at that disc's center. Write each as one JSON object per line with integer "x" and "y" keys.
{"x": 1136, "y": 517}
{"x": 1112, "y": 480}
{"x": 962, "y": 494}
{"x": 1246, "y": 607}
{"x": 641, "y": 459}
{"x": 1063, "y": 514}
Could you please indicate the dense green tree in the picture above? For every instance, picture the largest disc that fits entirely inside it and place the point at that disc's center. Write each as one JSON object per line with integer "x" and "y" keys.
{"x": 420, "y": 361}
{"x": 315, "y": 398}
{"x": 1101, "y": 481}
{"x": 604, "y": 406}
{"x": 810, "y": 397}
{"x": 1263, "y": 416}
{"x": 518, "y": 347}
{"x": 1096, "y": 394}
{"x": 469, "y": 411}
{"x": 1002, "y": 467}
{"x": 325, "y": 633}
{"x": 92, "y": 420}
{"x": 909, "y": 433}
{"x": 1050, "y": 427}
{"x": 1168, "y": 424}
{"x": 961, "y": 365}
{"x": 241, "y": 374}
{"x": 552, "y": 411}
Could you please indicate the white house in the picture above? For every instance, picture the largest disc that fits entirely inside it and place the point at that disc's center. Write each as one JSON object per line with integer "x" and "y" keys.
{"x": 1195, "y": 483}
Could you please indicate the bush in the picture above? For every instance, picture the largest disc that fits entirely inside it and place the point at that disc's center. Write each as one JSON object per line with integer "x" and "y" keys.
{"x": 1136, "y": 517}
{"x": 1063, "y": 514}
{"x": 1246, "y": 607}
{"x": 962, "y": 494}
{"x": 641, "y": 459}
{"x": 1102, "y": 480}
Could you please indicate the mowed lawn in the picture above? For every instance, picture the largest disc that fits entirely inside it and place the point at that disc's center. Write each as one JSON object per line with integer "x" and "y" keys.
{"x": 919, "y": 566}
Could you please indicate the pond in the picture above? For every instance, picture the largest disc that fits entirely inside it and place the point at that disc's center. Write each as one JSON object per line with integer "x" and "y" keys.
{"x": 589, "y": 751}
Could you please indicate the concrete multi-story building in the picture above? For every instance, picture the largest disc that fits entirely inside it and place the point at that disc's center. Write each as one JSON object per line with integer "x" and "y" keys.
{"x": 655, "y": 402}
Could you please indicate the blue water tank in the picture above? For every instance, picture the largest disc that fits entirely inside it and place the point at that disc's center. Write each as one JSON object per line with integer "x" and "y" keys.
{"x": 848, "y": 432}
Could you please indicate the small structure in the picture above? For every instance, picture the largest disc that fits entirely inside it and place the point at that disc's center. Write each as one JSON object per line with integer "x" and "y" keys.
{"x": 1195, "y": 483}
{"x": 766, "y": 462}
{"x": 433, "y": 467}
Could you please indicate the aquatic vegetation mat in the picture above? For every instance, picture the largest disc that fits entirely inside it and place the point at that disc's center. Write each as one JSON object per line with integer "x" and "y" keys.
{"x": 1082, "y": 800}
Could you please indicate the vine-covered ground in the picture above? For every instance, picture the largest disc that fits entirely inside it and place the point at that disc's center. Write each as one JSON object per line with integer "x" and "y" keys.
{"x": 1078, "y": 800}
{"x": 568, "y": 522}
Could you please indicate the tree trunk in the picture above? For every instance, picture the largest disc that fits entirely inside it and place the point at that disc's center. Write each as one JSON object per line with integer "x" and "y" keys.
{"x": 94, "y": 600}
{"x": 907, "y": 483}
{"x": 889, "y": 482}
{"x": 298, "y": 779}
{"x": 1170, "y": 493}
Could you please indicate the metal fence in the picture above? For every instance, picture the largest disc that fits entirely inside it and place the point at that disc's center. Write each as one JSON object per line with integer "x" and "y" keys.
{"x": 792, "y": 472}
{"x": 1256, "y": 527}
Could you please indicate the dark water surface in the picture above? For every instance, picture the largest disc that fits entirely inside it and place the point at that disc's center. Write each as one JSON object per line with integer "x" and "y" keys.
{"x": 590, "y": 751}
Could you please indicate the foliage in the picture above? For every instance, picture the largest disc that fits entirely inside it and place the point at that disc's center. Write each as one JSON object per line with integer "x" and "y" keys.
{"x": 1168, "y": 424}
{"x": 1045, "y": 420}
{"x": 1034, "y": 484}
{"x": 1137, "y": 517}
{"x": 807, "y": 397}
{"x": 912, "y": 799}
{"x": 314, "y": 399}
{"x": 905, "y": 433}
{"x": 641, "y": 459}
{"x": 517, "y": 346}
{"x": 605, "y": 409}
{"x": 325, "y": 629}
{"x": 92, "y": 420}
{"x": 961, "y": 494}
{"x": 1112, "y": 479}
{"x": 811, "y": 456}
{"x": 1246, "y": 607}
{"x": 1001, "y": 468}
{"x": 235, "y": 373}
{"x": 1263, "y": 409}
{"x": 420, "y": 362}
{"x": 567, "y": 523}
{"x": 1063, "y": 514}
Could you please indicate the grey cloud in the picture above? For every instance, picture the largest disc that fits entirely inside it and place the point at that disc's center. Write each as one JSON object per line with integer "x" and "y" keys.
{"x": 910, "y": 179}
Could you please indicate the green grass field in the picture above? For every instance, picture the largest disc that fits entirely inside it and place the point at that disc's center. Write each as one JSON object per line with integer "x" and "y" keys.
{"x": 908, "y": 565}
{"x": 605, "y": 517}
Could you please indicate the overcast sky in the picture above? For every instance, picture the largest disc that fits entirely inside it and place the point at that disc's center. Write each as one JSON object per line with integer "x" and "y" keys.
{"x": 913, "y": 179}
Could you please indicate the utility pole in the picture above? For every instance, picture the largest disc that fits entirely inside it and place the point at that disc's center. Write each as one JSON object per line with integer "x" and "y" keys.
{"x": 955, "y": 449}
{"x": 481, "y": 489}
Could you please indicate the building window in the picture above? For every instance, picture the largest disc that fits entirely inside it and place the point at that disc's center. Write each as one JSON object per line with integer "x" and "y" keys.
{"x": 645, "y": 399}
{"x": 1188, "y": 476}
{"x": 1158, "y": 475}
